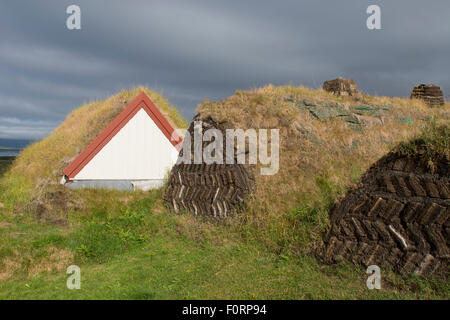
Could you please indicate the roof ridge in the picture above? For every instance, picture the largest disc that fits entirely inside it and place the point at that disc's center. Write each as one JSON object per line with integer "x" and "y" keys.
{"x": 142, "y": 101}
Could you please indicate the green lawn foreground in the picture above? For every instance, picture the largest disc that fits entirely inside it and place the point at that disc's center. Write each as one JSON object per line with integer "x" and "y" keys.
{"x": 137, "y": 250}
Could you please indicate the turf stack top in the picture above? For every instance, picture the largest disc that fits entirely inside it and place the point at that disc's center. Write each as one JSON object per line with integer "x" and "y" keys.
{"x": 431, "y": 94}
{"x": 321, "y": 136}
{"x": 341, "y": 87}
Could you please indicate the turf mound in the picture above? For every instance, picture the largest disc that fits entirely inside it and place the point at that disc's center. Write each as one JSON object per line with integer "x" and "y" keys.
{"x": 32, "y": 183}
{"x": 400, "y": 213}
{"x": 325, "y": 142}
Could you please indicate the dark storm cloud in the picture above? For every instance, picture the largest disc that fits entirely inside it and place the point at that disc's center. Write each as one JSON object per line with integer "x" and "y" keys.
{"x": 192, "y": 50}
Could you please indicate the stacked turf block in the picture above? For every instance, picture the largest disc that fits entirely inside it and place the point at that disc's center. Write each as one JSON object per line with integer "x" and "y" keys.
{"x": 431, "y": 94}
{"x": 398, "y": 216}
{"x": 341, "y": 87}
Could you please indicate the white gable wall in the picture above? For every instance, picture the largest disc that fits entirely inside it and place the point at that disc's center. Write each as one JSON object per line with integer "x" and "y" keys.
{"x": 139, "y": 151}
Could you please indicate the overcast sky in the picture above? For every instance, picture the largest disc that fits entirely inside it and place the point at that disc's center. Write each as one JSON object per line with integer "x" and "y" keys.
{"x": 191, "y": 50}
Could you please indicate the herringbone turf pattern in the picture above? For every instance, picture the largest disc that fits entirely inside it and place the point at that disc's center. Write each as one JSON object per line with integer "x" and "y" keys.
{"x": 209, "y": 190}
{"x": 398, "y": 216}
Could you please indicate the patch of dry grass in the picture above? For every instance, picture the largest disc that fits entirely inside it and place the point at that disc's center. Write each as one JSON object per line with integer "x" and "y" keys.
{"x": 9, "y": 266}
{"x": 53, "y": 259}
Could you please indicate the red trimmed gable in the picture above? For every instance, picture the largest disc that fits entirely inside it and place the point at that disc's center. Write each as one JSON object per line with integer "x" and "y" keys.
{"x": 142, "y": 101}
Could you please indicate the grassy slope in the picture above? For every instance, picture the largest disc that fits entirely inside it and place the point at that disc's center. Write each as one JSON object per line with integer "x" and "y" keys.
{"x": 41, "y": 164}
{"x": 5, "y": 163}
{"x": 145, "y": 253}
{"x": 318, "y": 160}
{"x": 129, "y": 246}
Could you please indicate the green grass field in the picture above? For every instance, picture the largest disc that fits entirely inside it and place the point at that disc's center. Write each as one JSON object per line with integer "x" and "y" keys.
{"x": 140, "y": 251}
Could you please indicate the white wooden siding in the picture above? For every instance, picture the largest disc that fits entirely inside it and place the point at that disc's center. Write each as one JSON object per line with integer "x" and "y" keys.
{"x": 139, "y": 151}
